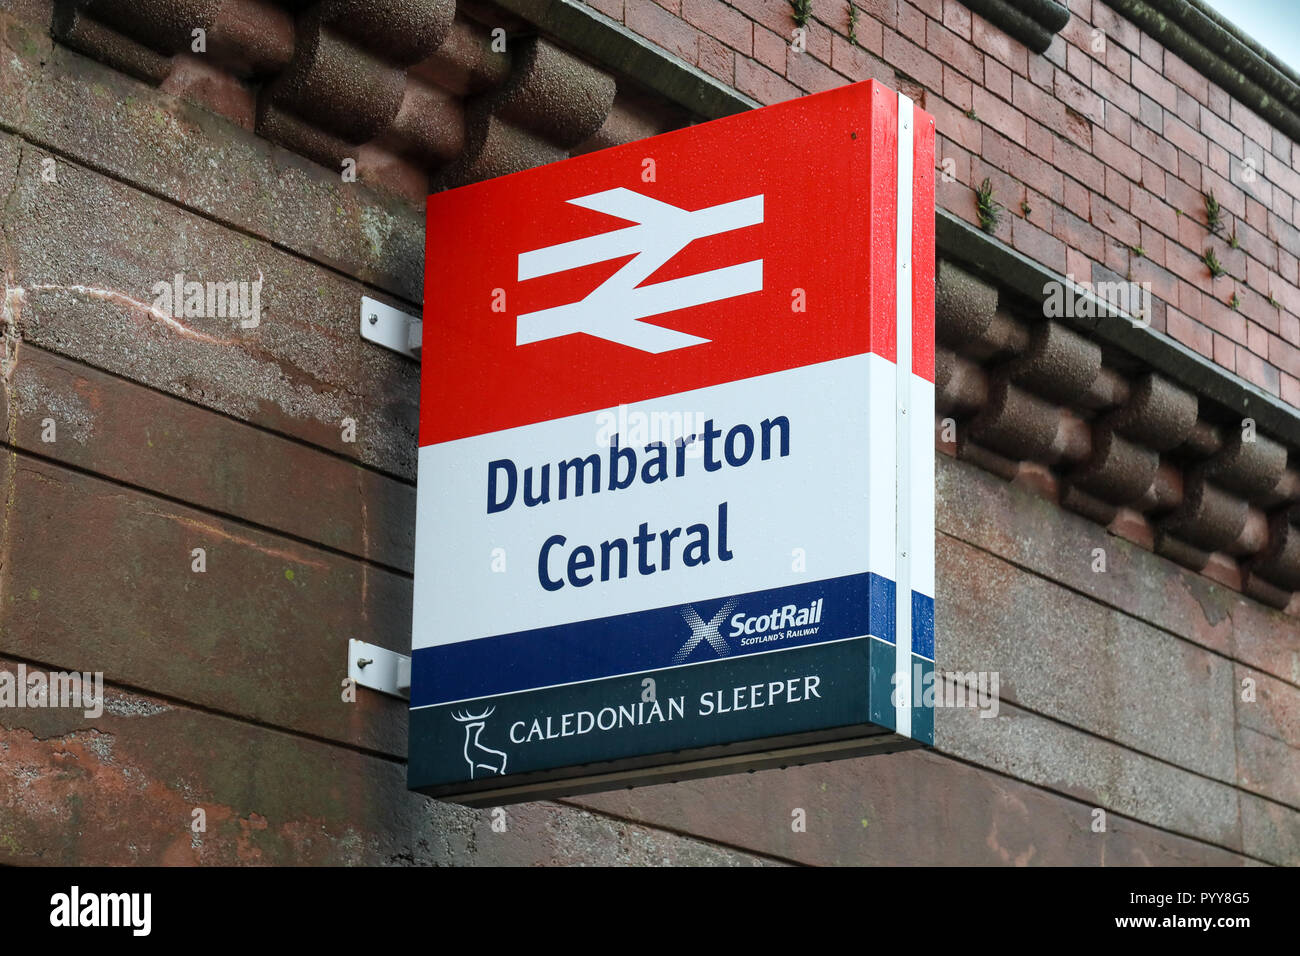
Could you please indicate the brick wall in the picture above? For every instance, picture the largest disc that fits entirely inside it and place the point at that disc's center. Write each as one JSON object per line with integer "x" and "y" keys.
{"x": 1120, "y": 690}
{"x": 1108, "y": 145}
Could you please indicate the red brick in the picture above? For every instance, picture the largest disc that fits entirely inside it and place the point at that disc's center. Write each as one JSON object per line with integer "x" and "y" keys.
{"x": 993, "y": 42}
{"x": 906, "y": 57}
{"x": 1218, "y": 101}
{"x": 810, "y": 74}
{"x": 1117, "y": 188}
{"x": 1154, "y": 85}
{"x": 662, "y": 28}
{"x": 1183, "y": 195}
{"x": 1256, "y": 214}
{"x": 1076, "y": 199}
{"x": 1040, "y": 210}
{"x": 774, "y": 16}
{"x": 1116, "y": 155}
{"x": 1119, "y": 125}
{"x": 1250, "y": 124}
{"x": 1260, "y": 314}
{"x": 1039, "y": 140}
{"x": 1228, "y": 196}
{"x": 611, "y": 8}
{"x": 884, "y": 11}
{"x": 1055, "y": 53}
{"x": 1077, "y": 264}
{"x": 1116, "y": 90}
{"x": 1164, "y": 284}
{"x": 946, "y": 151}
{"x": 1114, "y": 221}
{"x": 955, "y": 124}
{"x": 1037, "y": 244}
{"x": 997, "y": 78}
{"x": 869, "y": 31}
{"x": 1117, "y": 29}
{"x": 1078, "y": 97}
{"x": 721, "y": 22}
{"x": 858, "y": 64}
{"x": 1153, "y": 178}
{"x": 958, "y": 198}
{"x": 1152, "y": 53}
{"x": 1225, "y": 352}
{"x": 956, "y": 17}
{"x": 1218, "y": 159}
{"x": 1282, "y": 206}
{"x": 718, "y": 60}
{"x": 1153, "y": 244}
{"x": 953, "y": 50}
{"x": 1083, "y": 166}
{"x": 1290, "y": 390}
{"x": 762, "y": 84}
{"x": 1190, "y": 332}
{"x": 1039, "y": 105}
{"x": 1148, "y": 208}
{"x": 911, "y": 21}
{"x": 1288, "y": 267}
{"x": 1221, "y": 132}
{"x": 1257, "y": 371}
{"x": 770, "y": 49}
{"x": 1151, "y": 113}
{"x": 1021, "y": 164}
{"x": 1007, "y": 190}
{"x": 1118, "y": 61}
{"x": 1078, "y": 234}
{"x": 1188, "y": 109}
{"x": 956, "y": 88}
{"x": 1079, "y": 64}
{"x": 999, "y": 115}
{"x": 1180, "y": 74}
{"x": 1289, "y": 328}
{"x": 1151, "y": 145}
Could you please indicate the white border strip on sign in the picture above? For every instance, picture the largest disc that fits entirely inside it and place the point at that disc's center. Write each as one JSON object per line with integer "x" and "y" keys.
{"x": 903, "y": 458}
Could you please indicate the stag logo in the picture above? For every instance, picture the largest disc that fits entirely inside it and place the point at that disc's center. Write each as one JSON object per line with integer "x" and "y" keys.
{"x": 702, "y": 630}
{"x": 614, "y": 309}
{"x": 478, "y": 756}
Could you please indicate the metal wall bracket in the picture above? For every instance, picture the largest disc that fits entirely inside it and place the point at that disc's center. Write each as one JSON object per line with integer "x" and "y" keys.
{"x": 391, "y": 328}
{"x": 378, "y": 668}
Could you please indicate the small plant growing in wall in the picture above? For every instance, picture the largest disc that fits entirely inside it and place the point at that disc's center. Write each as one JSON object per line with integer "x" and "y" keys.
{"x": 802, "y": 10}
{"x": 1233, "y": 241}
{"x": 970, "y": 113}
{"x": 1273, "y": 302}
{"x": 853, "y": 24}
{"x": 1213, "y": 214}
{"x": 1138, "y": 251}
{"x": 1212, "y": 263}
{"x": 1234, "y": 302}
{"x": 986, "y": 208}
{"x": 1025, "y": 208}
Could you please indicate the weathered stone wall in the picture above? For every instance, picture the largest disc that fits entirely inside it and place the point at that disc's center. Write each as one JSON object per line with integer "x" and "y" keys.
{"x": 1121, "y": 690}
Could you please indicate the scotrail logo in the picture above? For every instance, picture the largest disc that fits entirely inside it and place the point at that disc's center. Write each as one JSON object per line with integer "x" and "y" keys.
{"x": 778, "y": 624}
{"x": 614, "y": 309}
{"x": 702, "y": 630}
{"x": 477, "y": 755}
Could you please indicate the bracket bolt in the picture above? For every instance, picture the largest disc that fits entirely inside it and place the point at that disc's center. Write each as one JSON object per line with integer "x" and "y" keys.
{"x": 374, "y": 319}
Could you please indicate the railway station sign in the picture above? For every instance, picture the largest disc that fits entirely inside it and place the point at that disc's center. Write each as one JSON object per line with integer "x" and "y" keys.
{"x": 675, "y": 509}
